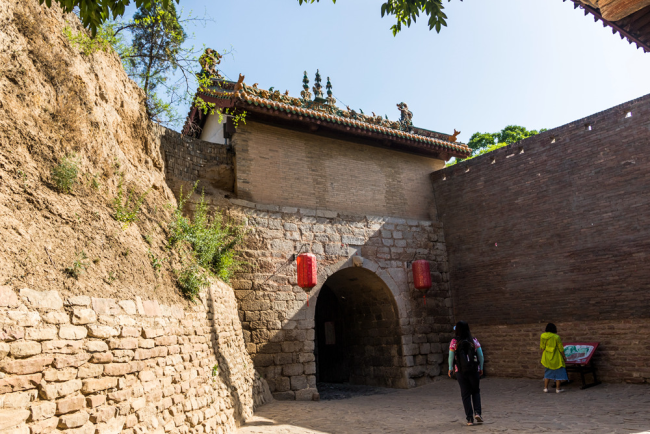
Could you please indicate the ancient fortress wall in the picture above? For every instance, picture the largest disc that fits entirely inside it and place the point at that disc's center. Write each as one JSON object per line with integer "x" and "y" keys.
{"x": 278, "y": 166}
{"x": 398, "y": 341}
{"x": 556, "y": 229}
{"x": 90, "y": 365}
{"x": 188, "y": 160}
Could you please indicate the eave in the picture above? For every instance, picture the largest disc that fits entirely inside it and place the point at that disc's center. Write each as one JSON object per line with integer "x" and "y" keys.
{"x": 318, "y": 122}
{"x": 634, "y": 27}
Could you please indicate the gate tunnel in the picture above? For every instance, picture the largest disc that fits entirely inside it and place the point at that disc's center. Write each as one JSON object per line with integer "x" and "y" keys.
{"x": 357, "y": 331}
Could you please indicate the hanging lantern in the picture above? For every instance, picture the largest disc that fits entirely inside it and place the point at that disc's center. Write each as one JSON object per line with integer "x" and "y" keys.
{"x": 307, "y": 271}
{"x": 421, "y": 276}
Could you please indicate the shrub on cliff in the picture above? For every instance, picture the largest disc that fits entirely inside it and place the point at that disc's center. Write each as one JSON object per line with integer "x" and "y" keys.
{"x": 64, "y": 175}
{"x": 207, "y": 240}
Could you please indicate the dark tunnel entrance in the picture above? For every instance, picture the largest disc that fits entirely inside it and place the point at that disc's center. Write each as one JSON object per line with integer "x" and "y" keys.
{"x": 357, "y": 331}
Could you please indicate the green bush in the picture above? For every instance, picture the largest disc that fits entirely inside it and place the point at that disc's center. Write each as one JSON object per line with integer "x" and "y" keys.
{"x": 127, "y": 204}
{"x": 212, "y": 239}
{"x": 156, "y": 263}
{"x": 192, "y": 279}
{"x": 64, "y": 175}
{"x": 78, "y": 266}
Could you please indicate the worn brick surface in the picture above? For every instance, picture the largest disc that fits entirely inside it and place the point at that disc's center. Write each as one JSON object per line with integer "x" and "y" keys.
{"x": 281, "y": 167}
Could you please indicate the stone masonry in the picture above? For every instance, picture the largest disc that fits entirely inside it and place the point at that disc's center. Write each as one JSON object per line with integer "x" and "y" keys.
{"x": 279, "y": 325}
{"x": 90, "y": 365}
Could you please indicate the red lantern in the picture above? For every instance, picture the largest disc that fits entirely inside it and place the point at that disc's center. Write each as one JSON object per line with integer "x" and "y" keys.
{"x": 307, "y": 271}
{"x": 421, "y": 276}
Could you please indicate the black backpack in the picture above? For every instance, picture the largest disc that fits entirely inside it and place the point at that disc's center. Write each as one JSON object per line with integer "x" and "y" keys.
{"x": 466, "y": 357}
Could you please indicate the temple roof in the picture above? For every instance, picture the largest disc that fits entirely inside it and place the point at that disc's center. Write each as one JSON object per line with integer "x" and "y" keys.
{"x": 629, "y": 18}
{"x": 322, "y": 114}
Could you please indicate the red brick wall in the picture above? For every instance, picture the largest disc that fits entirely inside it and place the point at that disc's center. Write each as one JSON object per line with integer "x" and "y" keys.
{"x": 556, "y": 228}
{"x": 283, "y": 167}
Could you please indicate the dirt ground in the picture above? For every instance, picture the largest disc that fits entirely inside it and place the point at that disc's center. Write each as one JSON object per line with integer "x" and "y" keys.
{"x": 508, "y": 406}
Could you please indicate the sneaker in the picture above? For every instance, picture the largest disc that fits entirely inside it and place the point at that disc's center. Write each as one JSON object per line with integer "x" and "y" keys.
{"x": 545, "y": 390}
{"x": 479, "y": 418}
{"x": 559, "y": 390}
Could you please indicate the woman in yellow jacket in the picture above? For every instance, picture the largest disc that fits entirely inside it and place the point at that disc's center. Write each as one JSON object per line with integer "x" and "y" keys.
{"x": 553, "y": 358}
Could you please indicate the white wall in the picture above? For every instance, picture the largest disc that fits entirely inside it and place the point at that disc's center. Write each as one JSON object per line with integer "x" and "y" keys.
{"x": 213, "y": 130}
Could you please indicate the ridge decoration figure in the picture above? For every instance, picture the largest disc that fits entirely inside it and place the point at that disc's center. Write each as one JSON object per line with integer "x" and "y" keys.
{"x": 406, "y": 120}
{"x": 209, "y": 61}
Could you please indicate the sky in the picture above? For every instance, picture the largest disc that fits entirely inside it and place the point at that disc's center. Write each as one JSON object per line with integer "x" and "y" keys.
{"x": 535, "y": 63}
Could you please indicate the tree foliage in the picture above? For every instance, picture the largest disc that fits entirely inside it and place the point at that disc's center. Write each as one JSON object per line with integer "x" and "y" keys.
{"x": 408, "y": 11}
{"x": 482, "y": 143}
{"x": 152, "y": 47}
{"x": 94, "y": 13}
{"x": 156, "y": 53}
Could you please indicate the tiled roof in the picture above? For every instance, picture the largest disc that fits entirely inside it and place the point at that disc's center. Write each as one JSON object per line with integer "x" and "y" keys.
{"x": 324, "y": 112}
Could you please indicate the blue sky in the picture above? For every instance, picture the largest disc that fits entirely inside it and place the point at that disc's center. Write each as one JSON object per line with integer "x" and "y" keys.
{"x": 536, "y": 63}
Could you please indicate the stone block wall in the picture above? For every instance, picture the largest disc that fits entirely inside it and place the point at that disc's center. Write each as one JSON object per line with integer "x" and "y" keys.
{"x": 556, "y": 228}
{"x": 89, "y": 365}
{"x": 279, "y": 322}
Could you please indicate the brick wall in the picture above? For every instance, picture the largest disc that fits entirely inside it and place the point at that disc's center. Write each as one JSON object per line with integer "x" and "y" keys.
{"x": 555, "y": 228}
{"x": 86, "y": 365}
{"x": 283, "y": 167}
{"x": 188, "y": 160}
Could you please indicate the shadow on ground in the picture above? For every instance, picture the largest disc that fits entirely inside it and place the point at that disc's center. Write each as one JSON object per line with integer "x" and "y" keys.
{"x": 508, "y": 406}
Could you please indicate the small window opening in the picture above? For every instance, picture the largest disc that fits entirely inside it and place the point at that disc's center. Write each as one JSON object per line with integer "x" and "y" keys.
{"x": 492, "y": 160}
{"x": 588, "y": 127}
{"x": 521, "y": 149}
{"x": 467, "y": 170}
{"x": 552, "y": 139}
{"x": 628, "y": 115}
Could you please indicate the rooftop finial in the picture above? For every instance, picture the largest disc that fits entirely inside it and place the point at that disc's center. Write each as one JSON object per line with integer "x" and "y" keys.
{"x": 318, "y": 88}
{"x": 306, "y": 95}
{"x": 330, "y": 98}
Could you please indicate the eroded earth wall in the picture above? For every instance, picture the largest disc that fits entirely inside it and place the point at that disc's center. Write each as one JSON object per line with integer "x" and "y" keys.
{"x": 556, "y": 229}
{"x": 85, "y": 365}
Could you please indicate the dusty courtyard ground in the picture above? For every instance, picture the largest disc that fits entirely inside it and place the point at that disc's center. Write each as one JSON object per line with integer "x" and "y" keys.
{"x": 508, "y": 406}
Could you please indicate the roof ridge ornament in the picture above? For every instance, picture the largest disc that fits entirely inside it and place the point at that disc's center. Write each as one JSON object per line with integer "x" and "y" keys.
{"x": 318, "y": 88}
{"x": 209, "y": 61}
{"x": 406, "y": 119}
{"x": 330, "y": 99}
{"x": 306, "y": 95}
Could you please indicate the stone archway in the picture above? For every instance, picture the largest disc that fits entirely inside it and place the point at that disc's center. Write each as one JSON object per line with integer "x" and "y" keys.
{"x": 357, "y": 329}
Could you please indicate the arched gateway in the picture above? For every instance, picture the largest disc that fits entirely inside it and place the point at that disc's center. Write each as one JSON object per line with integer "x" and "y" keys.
{"x": 357, "y": 330}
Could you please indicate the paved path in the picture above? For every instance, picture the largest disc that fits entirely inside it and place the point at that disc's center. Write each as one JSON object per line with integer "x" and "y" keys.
{"x": 508, "y": 406}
